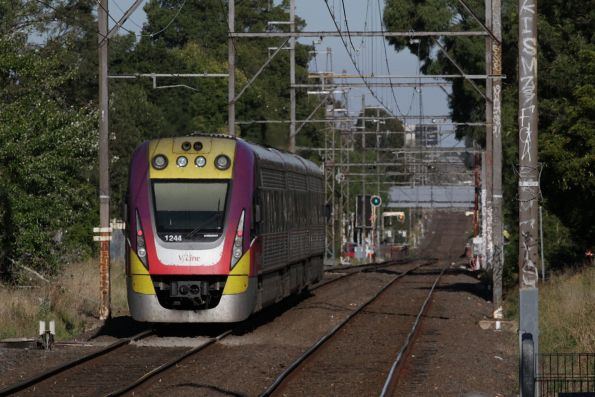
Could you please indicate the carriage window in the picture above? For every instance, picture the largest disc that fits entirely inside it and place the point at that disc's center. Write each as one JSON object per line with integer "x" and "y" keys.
{"x": 189, "y": 211}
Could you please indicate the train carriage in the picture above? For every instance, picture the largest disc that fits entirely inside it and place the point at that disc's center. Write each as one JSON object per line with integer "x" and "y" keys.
{"x": 219, "y": 228}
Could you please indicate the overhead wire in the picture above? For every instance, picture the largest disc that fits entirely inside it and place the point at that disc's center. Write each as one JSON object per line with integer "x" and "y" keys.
{"x": 129, "y": 19}
{"x": 66, "y": 16}
{"x": 390, "y": 80}
{"x": 229, "y": 32}
{"x": 355, "y": 65}
{"x": 150, "y": 35}
{"x": 347, "y": 25}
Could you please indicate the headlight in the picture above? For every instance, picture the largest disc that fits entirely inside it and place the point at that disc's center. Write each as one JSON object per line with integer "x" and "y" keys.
{"x": 142, "y": 252}
{"x": 238, "y": 241}
{"x": 222, "y": 162}
{"x": 159, "y": 162}
{"x": 200, "y": 161}
{"x": 182, "y": 161}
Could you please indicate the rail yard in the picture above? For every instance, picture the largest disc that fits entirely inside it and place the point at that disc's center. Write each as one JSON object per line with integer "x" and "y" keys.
{"x": 296, "y": 198}
{"x": 364, "y": 330}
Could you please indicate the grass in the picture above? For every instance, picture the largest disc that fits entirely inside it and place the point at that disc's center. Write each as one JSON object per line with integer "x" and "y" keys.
{"x": 71, "y": 299}
{"x": 566, "y": 312}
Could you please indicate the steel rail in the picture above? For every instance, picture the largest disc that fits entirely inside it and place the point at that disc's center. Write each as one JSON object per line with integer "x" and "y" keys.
{"x": 292, "y": 367}
{"x": 167, "y": 365}
{"x": 211, "y": 341}
{"x": 408, "y": 340}
{"x": 61, "y": 368}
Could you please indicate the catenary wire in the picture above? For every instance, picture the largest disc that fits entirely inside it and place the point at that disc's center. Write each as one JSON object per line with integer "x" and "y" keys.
{"x": 355, "y": 65}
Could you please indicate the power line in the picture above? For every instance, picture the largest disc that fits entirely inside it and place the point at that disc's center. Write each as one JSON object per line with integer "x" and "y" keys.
{"x": 71, "y": 19}
{"x": 347, "y": 25}
{"x": 170, "y": 22}
{"x": 390, "y": 80}
{"x": 353, "y": 61}
{"x": 150, "y": 35}
{"x": 123, "y": 12}
{"x": 112, "y": 18}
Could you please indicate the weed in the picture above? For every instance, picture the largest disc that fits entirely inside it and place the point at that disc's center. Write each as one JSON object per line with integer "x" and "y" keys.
{"x": 70, "y": 299}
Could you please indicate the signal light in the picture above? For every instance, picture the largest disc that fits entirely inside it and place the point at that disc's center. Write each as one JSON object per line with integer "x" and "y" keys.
{"x": 186, "y": 146}
{"x": 198, "y": 146}
{"x": 375, "y": 201}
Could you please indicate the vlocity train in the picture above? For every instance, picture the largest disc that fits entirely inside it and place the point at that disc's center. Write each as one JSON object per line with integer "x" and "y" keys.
{"x": 219, "y": 228}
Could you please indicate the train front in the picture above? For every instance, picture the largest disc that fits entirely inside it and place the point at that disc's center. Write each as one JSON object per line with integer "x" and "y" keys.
{"x": 189, "y": 214}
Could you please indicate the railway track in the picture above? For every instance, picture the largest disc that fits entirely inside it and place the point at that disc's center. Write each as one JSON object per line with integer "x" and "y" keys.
{"x": 309, "y": 361}
{"x": 161, "y": 369}
{"x": 35, "y": 380}
{"x": 67, "y": 370}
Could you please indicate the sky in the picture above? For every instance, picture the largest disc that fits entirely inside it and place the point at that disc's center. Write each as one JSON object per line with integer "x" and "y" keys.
{"x": 371, "y": 54}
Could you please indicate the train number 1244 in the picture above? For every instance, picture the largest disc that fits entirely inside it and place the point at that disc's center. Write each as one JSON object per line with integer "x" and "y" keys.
{"x": 172, "y": 238}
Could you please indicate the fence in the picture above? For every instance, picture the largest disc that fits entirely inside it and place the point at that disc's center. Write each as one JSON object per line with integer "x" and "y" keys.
{"x": 566, "y": 375}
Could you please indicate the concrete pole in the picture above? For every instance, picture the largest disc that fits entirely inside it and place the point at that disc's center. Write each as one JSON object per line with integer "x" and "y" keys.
{"x": 528, "y": 260}
{"x": 489, "y": 147}
{"x": 104, "y": 191}
{"x": 498, "y": 239}
{"x": 231, "y": 65}
{"x": 292, "y": 106}
{"x": 364, "y": 223}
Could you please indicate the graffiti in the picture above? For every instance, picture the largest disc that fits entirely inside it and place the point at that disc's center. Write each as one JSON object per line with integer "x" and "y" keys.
{"x": 497, "y": 116}
{"x": 525, "y": 134}
{"x": 531, "y": 223}
{"x": 497, "y": 59}
{"x": 529, "y": 270}
{"x": 525, "y": 206}
{"x": 528, "y": 7}
{"x": 527, "y": 119}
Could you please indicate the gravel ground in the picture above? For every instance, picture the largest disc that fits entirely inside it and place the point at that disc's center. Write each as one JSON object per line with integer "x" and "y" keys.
{"x": 356, "y": 361}
{"x": 452, "y": 355}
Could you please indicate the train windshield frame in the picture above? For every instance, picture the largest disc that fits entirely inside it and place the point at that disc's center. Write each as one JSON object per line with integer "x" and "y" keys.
{"x": 190, "y": 210}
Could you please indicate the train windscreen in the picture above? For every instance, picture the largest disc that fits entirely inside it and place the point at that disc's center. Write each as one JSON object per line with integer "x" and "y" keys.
{"x": 190, "y": 211}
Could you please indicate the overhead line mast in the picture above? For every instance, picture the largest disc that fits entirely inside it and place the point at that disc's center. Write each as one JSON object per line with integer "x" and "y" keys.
{"x": 104, "y": 188}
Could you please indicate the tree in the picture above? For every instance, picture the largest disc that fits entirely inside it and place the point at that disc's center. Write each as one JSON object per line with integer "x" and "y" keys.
{"x": 47, "y": 149}
{"x": 566, "y": 70}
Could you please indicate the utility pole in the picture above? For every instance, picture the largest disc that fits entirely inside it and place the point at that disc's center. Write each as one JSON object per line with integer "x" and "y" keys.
{"x": 292, "y": 106}
{"x": 104, "y": 193}
{"x": 489, "y": 147}
{"x": 231, "y": 65}
{"x": 364, "y": 223}
{"x": 528, "y": 196}
{"x": 498, "y": 239}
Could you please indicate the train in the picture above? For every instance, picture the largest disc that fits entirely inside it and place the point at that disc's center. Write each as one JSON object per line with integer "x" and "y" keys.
{"x": 219, "y": 228}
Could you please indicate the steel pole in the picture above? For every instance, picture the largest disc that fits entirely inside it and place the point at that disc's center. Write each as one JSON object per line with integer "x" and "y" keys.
{"x": 498, "y": 239}
{"x": 104, "y": 191}
{"x": 528, "y": 260}
{"x": 231, "y": 62}
{"x": 489, "y": 147}
{"x": 292, "y": 107}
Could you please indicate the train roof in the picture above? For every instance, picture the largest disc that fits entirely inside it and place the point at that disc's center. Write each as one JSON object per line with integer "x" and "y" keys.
{"x": 275, "y": 158}
{"x": 271, "y": 157}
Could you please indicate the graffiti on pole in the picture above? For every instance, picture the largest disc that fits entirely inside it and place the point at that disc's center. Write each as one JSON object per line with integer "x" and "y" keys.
{"x": 528, "y": 166}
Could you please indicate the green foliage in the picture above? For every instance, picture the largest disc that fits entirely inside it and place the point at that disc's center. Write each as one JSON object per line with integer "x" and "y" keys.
{"x": 566, "y": 126}
{"x": 48, "y": 93}
{"x": 47, "y": 151}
